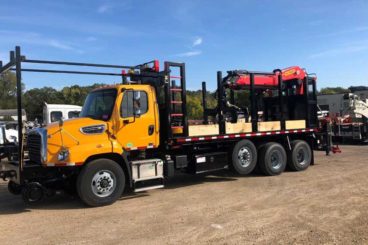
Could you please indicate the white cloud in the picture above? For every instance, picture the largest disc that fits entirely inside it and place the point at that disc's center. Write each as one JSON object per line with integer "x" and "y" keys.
{"x": 190, "y": 53}
{"x": 37, "y": 39}
{"x": 87, "y": 26}
{"x": 59, "y": 45}
{"x": 197, "y": 41}
{"x": 103, "y": 8}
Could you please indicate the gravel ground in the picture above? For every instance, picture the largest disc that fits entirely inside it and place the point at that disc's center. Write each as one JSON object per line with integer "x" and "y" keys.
{"x": 327, "y": 204}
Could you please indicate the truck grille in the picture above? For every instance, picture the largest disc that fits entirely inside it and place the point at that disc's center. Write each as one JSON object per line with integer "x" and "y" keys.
{"x": 34, "y": 144}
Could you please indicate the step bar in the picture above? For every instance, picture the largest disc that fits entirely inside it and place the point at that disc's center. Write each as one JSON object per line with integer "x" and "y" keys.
{"x": 149, "y": 188}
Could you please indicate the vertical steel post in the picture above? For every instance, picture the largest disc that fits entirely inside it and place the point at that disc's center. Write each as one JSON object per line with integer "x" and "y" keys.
{"x": 18, "y": 70}
{"x": 220, "y": 102}
{"x": 11, "y": 56}
{"x": 314, "y": 111}
{"x": 306, "y": 101}
{"x": 281, "y": 100}
{"x": 204, "y": 102}
{"x": 253, "y": 104}
{"x": 124, "y": 79}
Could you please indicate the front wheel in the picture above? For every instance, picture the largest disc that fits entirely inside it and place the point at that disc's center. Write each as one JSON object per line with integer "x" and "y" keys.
{"x": 101, "y": 182}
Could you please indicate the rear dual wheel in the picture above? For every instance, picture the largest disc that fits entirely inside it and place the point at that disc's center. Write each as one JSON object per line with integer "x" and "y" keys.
{"x": 272, "y": 159}
{"x": 300, "y": 156}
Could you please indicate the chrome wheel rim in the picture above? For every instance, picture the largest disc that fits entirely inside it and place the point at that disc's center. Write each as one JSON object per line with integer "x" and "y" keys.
{"x": 244, "y": 157}
{"x": 276, "y": 160}
{"x": 103, "y": 183}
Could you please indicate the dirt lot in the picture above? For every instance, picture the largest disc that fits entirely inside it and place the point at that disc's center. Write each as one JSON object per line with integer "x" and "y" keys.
{"x": 328, "y": 203}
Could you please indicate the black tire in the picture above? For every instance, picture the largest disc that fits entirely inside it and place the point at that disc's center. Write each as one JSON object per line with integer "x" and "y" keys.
{"x": 300, "y": 156}
{"x": 14, "y": 188}
{"x": 272, "y": 159}
{"x": 244, "y": 157}
{"x": 101, "y": 182}
{"x": 33, "y": 193}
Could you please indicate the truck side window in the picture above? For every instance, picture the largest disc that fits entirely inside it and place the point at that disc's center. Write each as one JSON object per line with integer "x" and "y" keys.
{"x": 134, "y": 103}
{"x": 56, "y": 116}
{"x": 73, "y": 114}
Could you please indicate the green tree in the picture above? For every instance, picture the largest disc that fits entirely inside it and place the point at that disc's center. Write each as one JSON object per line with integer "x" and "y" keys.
{"x": 75, "y": 95}
{"x": 194, "y": 103}
{"x": 8, "y": 90}
{"x": 34, "y": 100}
{"x": 194, "y": 107}
{"x": 334, "y": 90}
{"x": 353, "y": 89}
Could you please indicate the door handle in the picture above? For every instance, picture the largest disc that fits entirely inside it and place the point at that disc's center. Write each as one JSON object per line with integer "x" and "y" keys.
{"x": 151, "y": 129}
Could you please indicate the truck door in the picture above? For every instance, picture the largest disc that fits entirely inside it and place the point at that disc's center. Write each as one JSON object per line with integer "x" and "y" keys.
{"x": 138, "y": 123}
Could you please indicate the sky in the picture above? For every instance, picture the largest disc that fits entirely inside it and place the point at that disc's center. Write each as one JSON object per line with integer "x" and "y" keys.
{"x": 329, "y": 37}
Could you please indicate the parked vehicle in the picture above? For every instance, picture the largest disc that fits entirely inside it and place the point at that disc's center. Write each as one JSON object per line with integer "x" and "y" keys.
{"x": 12, "y": 115}
{"x": 56, "y": 112}
{"x": 134, "y": 135}
{"x": 349, "y": 116}
{"x": 2, "y": 134}
{"x": 9, "y": 120}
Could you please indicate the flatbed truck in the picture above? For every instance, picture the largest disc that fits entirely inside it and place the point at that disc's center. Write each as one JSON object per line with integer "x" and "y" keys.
{"x": 134, "y": 135}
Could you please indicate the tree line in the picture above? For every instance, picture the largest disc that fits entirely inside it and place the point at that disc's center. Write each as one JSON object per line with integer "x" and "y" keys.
{"x": 33, "y": 99}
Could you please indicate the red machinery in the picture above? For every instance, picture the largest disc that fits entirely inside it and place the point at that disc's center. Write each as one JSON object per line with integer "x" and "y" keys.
{"x": 290, "y": 74}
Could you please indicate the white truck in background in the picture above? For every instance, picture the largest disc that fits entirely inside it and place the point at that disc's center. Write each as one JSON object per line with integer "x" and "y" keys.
{"x": 349, "y": 115}
{"x": 51, "y": 113}
{"x": 9, "y": 125}
{"x": 55, "y": 112}
{"x": 2, "y": 134}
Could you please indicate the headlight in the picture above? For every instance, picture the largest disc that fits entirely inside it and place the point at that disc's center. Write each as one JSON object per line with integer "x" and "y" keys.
{"x": 63, "y": 155}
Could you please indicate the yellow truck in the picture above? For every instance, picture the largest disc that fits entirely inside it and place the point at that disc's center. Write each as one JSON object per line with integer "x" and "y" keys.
{"x": 134, "y": 135}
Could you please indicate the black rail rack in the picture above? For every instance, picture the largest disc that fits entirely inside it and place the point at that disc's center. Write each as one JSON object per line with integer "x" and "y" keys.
{"x": 309, "y": 99}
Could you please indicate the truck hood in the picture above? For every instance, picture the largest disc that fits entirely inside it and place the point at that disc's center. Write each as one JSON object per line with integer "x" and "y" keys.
{"x": 74, "y": 123}
{"x": 81, "y": 136}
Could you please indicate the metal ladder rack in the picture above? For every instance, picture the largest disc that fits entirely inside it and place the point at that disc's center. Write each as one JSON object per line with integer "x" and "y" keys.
{"x": 176, "y": 99}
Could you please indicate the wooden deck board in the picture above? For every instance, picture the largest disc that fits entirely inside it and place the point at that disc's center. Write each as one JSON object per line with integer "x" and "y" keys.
{"x": 243, "y": 127}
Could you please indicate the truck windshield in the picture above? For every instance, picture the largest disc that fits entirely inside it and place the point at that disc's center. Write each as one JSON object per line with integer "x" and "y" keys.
{"x": 99, "y": 104}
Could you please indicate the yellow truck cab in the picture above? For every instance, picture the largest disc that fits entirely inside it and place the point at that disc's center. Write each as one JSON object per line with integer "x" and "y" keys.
{"x": 113, "y": 120}
{"x": 134, "y": 135}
